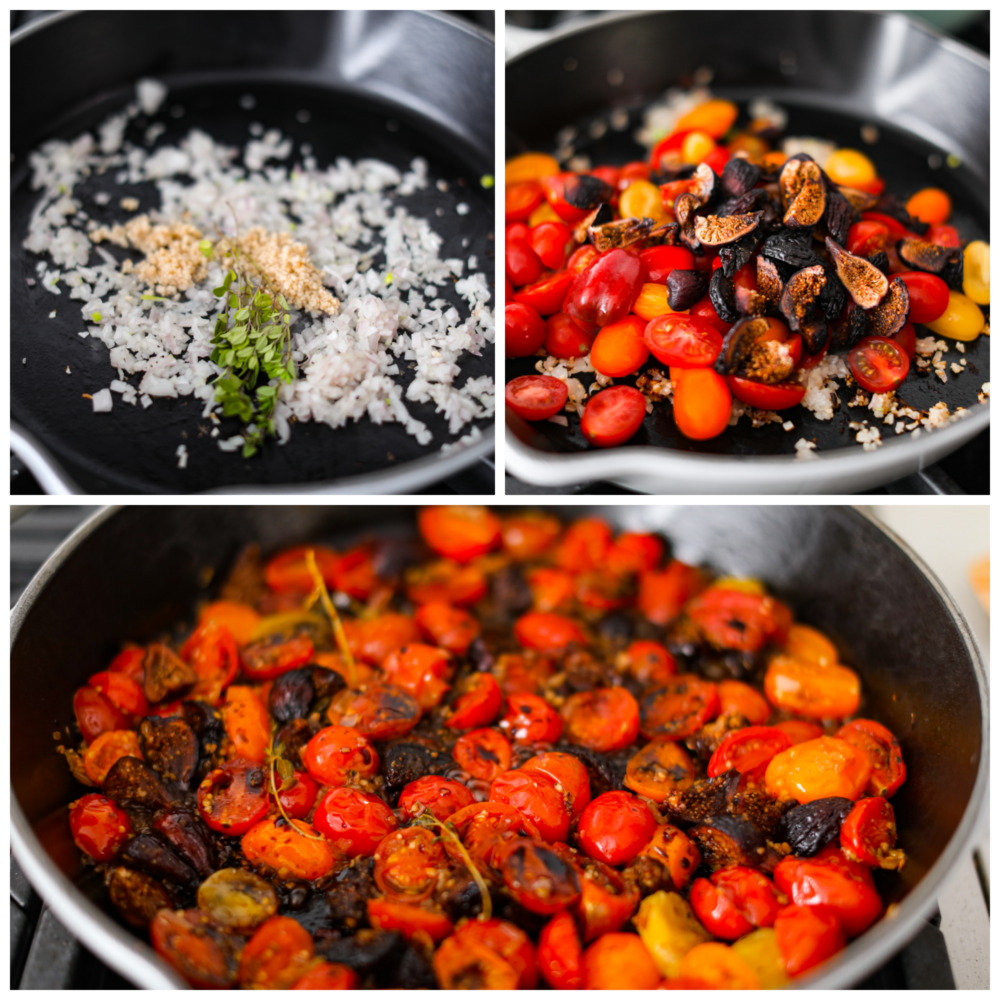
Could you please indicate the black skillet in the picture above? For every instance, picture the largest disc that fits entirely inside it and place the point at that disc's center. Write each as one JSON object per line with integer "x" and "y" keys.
{"x": 922, "y": 673}
{"x": 833, "y": 72}
{"x": 382, "y": 84}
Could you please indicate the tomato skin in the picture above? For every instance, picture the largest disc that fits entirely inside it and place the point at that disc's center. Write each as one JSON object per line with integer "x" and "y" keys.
{"x": 568, "y": 772}
{"x": 546, "y": 632}
{"x": 896, "y": 229}
{"x": 676, "y": 852}
{"x": 211, "y": 650}
{"x": 818, "y": 769}
{"x": 554, "y": 195}
{"x": 547, "y": 294}
{"x": 520, "y": 200}
{"x": 866, "y": 238}
{"x": 660, "y": 261}
{"x": 739, "y": 698}
{"x": 520, "y": 262}
{"x": 233, "y": 798}
{"x": 659, "y": 768}
{"x": 98, "y": 826}
{"x": 271, "y": 657}
{"x": 354, "y": 822}
{"x": 732, "y": 619}
{"x": 605, "y": 292}
{"x": 524, "y": 330}
{"x": 506, "y": 940}
{"x": 122, "y": 690}
{"x": 633, "y": 552}
{"x": 776, "y": 396}
{"x": 531, "y": 719}
{"x": 799, "y": 731}
{"x": 615, "y": 827}
{"x": 943, "y": 235}
{"x": 478, "y": 705}
{"x": 552, "y": 241}
{"x": 745, "y": 749}
{"x": 683, "y": 341}
{"x": 564, "y": 339}
{"x": 704, "y": 310}
{"x": 297, "y": 800}
{"x": 868, "y": 834}
{"x": 96, "y": 714}
{"x": 806, "y": 936}
{"x": 678, "y": 708}
{"x": 883, "y": 752}
{"x": 906, "y": 337}
{"x": 337, "y": 752}
{"x": 329, "y": 976}
{"x": 408, "y": 919}
{"x": 928, "y": 296}
{"x": 844, "y": 886}
{"x": 448, "y": 627}
{"x": 459, "y": 532}
{"x": 483, "y": 753}
{"x": 702, "y": 402}
{"x": 560, "y": 953}
{"x": 604, "y": 719}
{"x": 817, "y": 690}
{"x": 619, "y": 348}
{"x": 663, "y": 594}
{"x": 734, "y": 901}
{"x": 613, "y": 415}
{"x": 436, "y": 795}
{"x": 619, "y": 961}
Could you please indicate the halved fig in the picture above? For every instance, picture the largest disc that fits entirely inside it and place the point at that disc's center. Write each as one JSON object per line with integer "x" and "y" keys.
{"x": 189, "y": 836}
{"x": 953, "y": 273}
{"x": 738, "y": 254}
{"x": 722, "y": 295}
{"x": 797, "y": 172}
{"x": 685, "y": 205}
{"x": 748, "y": 352}
{"x": 164, "y": 672}
{"x": 131, "y": 783}
{"x": 150, "y": 853}
{"x": 808, "y": 207}
{"x": 717, "y": 231}
{"x": 923, "y": 256}
{"x": 622, "y": 233}
{"x": 810, "y": 827}
{"x": 137, "y": 897}
{"x": 685, "y": 288}
{"x": 748, "y": 202}
{"x": 769, "y": 283}
{"x": 704, "y": 183}
{"x": 791, "y": 247}
{"x": 839, "y": 217}
{"x": 864, "y": 282}
{"x": 170, "y": 748}
{"x": 860, "y": 201}
{"x": 726, "y": 840}
{"x": 739, "y": 176}
{"x": 586, "y": 191}
{"x": 799, "y": 299}
{"x": 890, "y": 314}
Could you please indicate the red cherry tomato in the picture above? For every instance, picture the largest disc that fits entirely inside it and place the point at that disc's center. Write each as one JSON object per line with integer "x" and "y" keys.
{"x": 619, "y": 348}
{"x": 531, "y": 719}
{"x": 436, "y": 795}
{"x": 878, "y": 364}
{"x": 806, "y": 936}
{"x": 564, "y": 339}
{"x": 733, "y": 619}
{"x": 928, "y": 296}
{"x": 554, "y": 194}
{"x": 520, "y": 200}
{"x": 650, "y": 662}
{"x": 547, "y": 632}
{"x": 584, "y": 546}
{"x": 521, "y": 262}
{"x": 606, "y": 291}
{"x": 478, "y": 704}
{"x": 450, "y": 628}
{"x": 121, "y": 690}
{"x": 98, "y": 826}
{"x": 734, "y": 901}
{"x": 129, "y": 660}
{"x": 777, "y": 396}
{"x": 943, "y": 235}
{"x": 568, "y": 772}
{"x": 233, "y": 798}
{"x": 704, "y": 310}
{"x": 298, "y": 798}
{"x": 96, "y": 714}
{"x": 604, "y": 719}
{"x": 524, "y": 330}
{"x": 547, "y": 294}
{"x": 896, "y": 228}
{"x": 552, "y": 241}
{"x": 745, "y": 749}
{"x": 535, "y": 397}
{"x": 683, "y": 341}
{"x": 718, "y": 159}
{"x": 868, "y": 834}
{"x": 212, "y": 651}
{"x": 535, "y": 796}
{"x": 288, "y": 572}
{"x": 459, "y": 532}
{"x": 354, "y": 822}
{"x": 336, "y": 753}
{"x": 615, "y": 827}
{"x": 678, "y": 708}
{"x": 906, "y": 337}
{"x": 409, "y": 919}
{"x": 273, "y": 656}
{"x": 560, "y": 954}
{"x": 483, "y": 753}
{"x": 613, "y": 415}
{"x": 504, "y": 939}
{"x": 703, "y": 403}
{"x": 866, "y": 238}
{"x": 660, "y": 261}
{"x": 581, "y": 259}
{"x": 882, "y": 750}
{"x": 662, "y": 594}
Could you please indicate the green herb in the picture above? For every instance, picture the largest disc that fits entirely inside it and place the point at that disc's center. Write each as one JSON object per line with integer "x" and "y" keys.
{"x": 96, "y": 317}
{"x": 388, "y": 279}
{"x": 487, "y": 180}
{"x": 155, "y": 298}
{"x": 447, "y": 831}
{"x": 252, "y": 341}
{"x": 281, "y": 776}
{"x": 205, "y": 246}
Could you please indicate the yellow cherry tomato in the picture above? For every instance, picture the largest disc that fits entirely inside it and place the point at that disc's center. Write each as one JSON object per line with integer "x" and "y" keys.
{"x": 544, "y": 213}
{"x": 809, "y": 644}
{"x": 962, "y": 320}
{"x": 652, "y": 302}
{"x": 696, "y": 146}
{"x": 530, "y": 167}
{"x": 850, "y": 167}
{"x": 714, "y": 117}
{"x": 818, "y": 769}
{"x": 642, "y": 199}
{"x": 976, "y": 283}
{"x": 702, "y": 402}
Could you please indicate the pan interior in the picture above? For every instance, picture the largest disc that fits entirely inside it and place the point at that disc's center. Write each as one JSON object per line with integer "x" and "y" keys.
{"x": 904, "y": 160}
{"x": 134, "y": 450}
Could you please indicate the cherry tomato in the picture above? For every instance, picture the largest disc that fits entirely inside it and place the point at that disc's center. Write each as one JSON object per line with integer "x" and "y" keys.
{"x": 715, "y": 966}
{"x": 121, "y": 690}
{"x": 408, "y": 862}
{"x": 552, "y": 241}
{"x": 660, "y": 261}
{"x": 633, "y": 552}
{"x": 659, "y": 768}
{"x": 353, "y": 821}
{"x": 649, "y": 662}
{"x": 619, "y": 348}
{"x": 354, "y": 573}
{"x": 883, "y": 752}
{"x": 535, "y": 397}
{"x": 478, "y": 704}
{"x": 547, "y": 294}
{"x": 906, "y": 337}
{"x": 247, "y": 723}
{"x": 520, "y": 200}
{"x": 337, "y": 753}
{"x": 928, "y": 296}
{"x": 521, "y": 262}
{"x": 129, "y": 660}
{"x": 470, "y": 965}
{"x": 798, "y": 730}
{"x": 866, "y": 238}
{"x": 288, "y": 571}
{"x": 930, "y": 205}
{"x": 806, "y": 936}
{"x": 275, "y": 655}
{"x": 604, "y": 719}
{"x": 663, "y": 594}
{"x": 106, "y": 750}
{"x": 683, "y": 341}
{"x": 676, "y": 852}
{"x": 409, "y": 919}
{"x": 615, "y": 827}
{"x": 450, "y": 628}
{"x": 704, "y": 310}
{"x": 380, "y": 711}
{"x": 524, "y": 330}
{"x": 560, "y": 953}
{"x": 842, "y": 885}
{"x": 211, "y": 650}
{"x": 279, "y": 953}
{"x": 554, "y": 195}
{"x": 538, "y": 879}
{"x": 943, "y": 236}
{"x": 569, "y": 774}
{"x": 483, "y": 753}
{"x": 445, "y": 580}
{"x": 531, "y": 719}
{"x": 96, "y": 714}
{"x": 678, "y": 708}
{"x": 233, "y": 798}
{"x": 818, "y": 769}
{"x": 505, "y": 940}
{"x": 702, "y": 402}
{"x": 811, "y": 645}
{"x": 774, "y": 396}
{"x": 582, "y": 258}
{"x": 819, "y": 691}
{"x": 436, "y": 795}
{"x": 896, "y": 228}
{"x": 737, "y": 698}
{"x": 619, "y": 962}
{"x": 564, "y": 339}
{"x": 734, "y": 901}
{"x": 868, "y": 834}
{"x": 459, "y": 532}
{"x": 298, "y": 798}
{"x": 607, "y": 900}
{"x": 733, "y": 619}
{"x": 528, "y": 535}
{"x": 613, "y": 415}
{"x": 328, "y": 976}
{"x": 207, "y": 958}
{"x": 604, "y": 293}
{"x": 745, "y": 749}
{"x": 98, "y": 826}
{"x": 546, "y": 632}
{"x": 420, "y": 671}
{"x": 584, "y": 546}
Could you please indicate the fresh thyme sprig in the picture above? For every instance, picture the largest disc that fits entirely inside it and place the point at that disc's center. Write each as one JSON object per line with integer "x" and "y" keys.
{"x": 321, "y": 594}
{"x": 279, "y": 767}
{"x": 252, "y": 339}
{"x": 447, "y": 831}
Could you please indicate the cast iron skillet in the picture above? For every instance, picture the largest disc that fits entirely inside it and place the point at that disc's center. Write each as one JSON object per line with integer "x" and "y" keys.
{"x": 833, "y": 72}
{"x": 385, "y": 84}
{"x": 129, "y": 573}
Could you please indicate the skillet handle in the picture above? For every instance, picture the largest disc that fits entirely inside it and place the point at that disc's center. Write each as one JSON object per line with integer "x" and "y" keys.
{"x": 42, "y": 465}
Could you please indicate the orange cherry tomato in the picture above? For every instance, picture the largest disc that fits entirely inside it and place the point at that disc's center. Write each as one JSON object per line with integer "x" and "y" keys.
{"x": 663, "y": 594}
{"x": 380, "y": 711}
{"x": 676, "y": 852}
{"x": 408, "y": 919}
{"x": 806, "y": 936}
{"x": 247, "y": 722}
{"x": 121, "y": 690}
{"x": 288, "y": 571}
{"x": 211, "y": 651}
{"x": 619, "y": 348}
{"x": 818, "y": 769}
{"x": 275, "y": 655}
{"x": 607, "y": 901}
{"x": 506, "y": 940}
{"x": 584, "y": 546}
{"x": 527, "y": 672}
{"x": 809, "y": 644}
{"x": 446, "y": 581}
{"x": 459, "y": 533}
{"x": 883, "y": 752}
{"x": 353, "y": 821}
{"x": 715, "y": 966}
{"x": 551, "y": 588}
{"x": 547, "y": 632}
{"x": 930, "y": 205}
{"x": 649, "y": 662}
{"x": 619, "y": 962}
{"x": 98, "y": 826}
{"x": 745, "y": 749}
{"x": 483, "y": 753}
{"x": 408, "y": 863}
{"x": 287, "y": 851}
{"x": 478, "y": 704}
{"x": 569, "y": 774}
{"x": 329, "y": 976}
{"x": 819, "y": 691}
{"x": 734, "y": 619}
{"x": 604, "y": 719}
{"x": 436, "y": 795}
{"x": 535, "y": 795}
{"x": 471, "y": 966}
{"x": 277, "y": 956}
{"x": 106, "y": 750}
{"x": 529, "y": 535}
{"x": 659, "y": 768}
{"x": 702, "y": 402}
{"x": 448, "y": 627}
{"x": 560, "y": 954}
{"x": 737, "y": 698}
{"x": 338, "y": 755}
{"x": 373, "y": 639}
{"x": 206, "y": 957}
{"x": 799, "y": 731}
{"x": 615, "y": 827}
{"x": 678, "y": 708}
{"x": 531, "y": 719}
{"x": 420, "y": 671}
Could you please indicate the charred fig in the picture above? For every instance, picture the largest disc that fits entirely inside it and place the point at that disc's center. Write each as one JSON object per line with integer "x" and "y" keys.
{"x": 622, "y": 233}
{"x": 864, "y": 282}
{"x": 923, "y": 256}
{"x": 799, "y": 299}
{"x": 737, "y": 255}
{"x": 685, "y": 288}
{"x": 849, "y": 330}
{"x": 769, "y": 283}
{"x": 890, "y": 314}
{"x": 738, "y": 177}
{"x": 748, "y": 353}
{"x": 722, "y": 295}
{"x": 716, "y": 231}
{"x": 587, "y": 191}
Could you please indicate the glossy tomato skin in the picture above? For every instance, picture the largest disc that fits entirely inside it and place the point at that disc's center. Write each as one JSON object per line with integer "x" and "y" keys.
{"x": 98, "y": 826}
{"x": 806, "y": 936}
{"x": 569, "y": 774}
{"x": 677, "y": 708}
{"x": 660, "y": 261}
{"x": 560, "y": 953}
{"x": 745, "y": 749}
{"x": 478, "y": 704}
{"x": 520, "y": 261}
{"x": 547, "y": 294}
{"x": 564, "y": 339}
{"x": 535, "y": 796}
{"x": 883, "y": 752}
{"x": 233, "y": 798}
{"x": 337, "y": 752}
{"x": 702, "y": 402}
{"x": 619, "y": 348}
{"x": 683, "y": 341}
{"x": 535, "y": 397}
{"x": 436, "y": 795}
{"x": 878, "y": 364}
{"x": 298, "y": 798}
{"x": 552, "y": 241}
{"x": 547, "y": 632}
{"x": 844, "y": 886}
{"x": 605, "y": 292}
{"x": 353, "y": 822}
{"x": 524, "y": 330}
{"x": 531, "y": 719}
{"x": 906, "y": 337}
{"x": 615, "y": 827}
{"x": 96, "y": 714}
{"x": 818, "y": 769}
{"x": 613, "y": 415}
{"x": 777, "y": 396}
{"x": 734, "y": 901}
{"x": 483, "y": 753}
{"x": 605, "y": 719}
{"x": 704, "y": 310}
{"x": 928, "y": 296}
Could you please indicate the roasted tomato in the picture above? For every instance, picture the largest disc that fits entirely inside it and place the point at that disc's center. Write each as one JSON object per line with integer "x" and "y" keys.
{"x": 483, "y": 753}
{"x": 615, "y": 827}
{"x": 446, "y": 581}
{"x": 538, "y": 878}
{"x": 548, "y": 633}
{"x": 328, "y": 976}
{"x": 883, "y": 752}
{"x": 560, "y": 954}
{"x": 121, "y": 690}
{"x": 746, "y": 749}
{"x": 277, "y": 956}
{"x": 211, "y": 650}
{"x": 380, "y": 711}
{"x": 737, "y": 698}
{"x": 607, "y": 900}
{"x": 818, "y": 769}
{"x": 98, "y": 826}
{"x": 275, "y": 655}
{"x": 420, "y": 671}
{"x": 459, "y": 532}
{"x": 569, "y": 774}
{"x": 408, "y": 863}
{"x": 438, "y": 796}
{"x": 409, "y": 919}
{"x": 478, "y": 703}
{"x": 659, "y": 768}
{"x": 734, "y": 901}
{"x": 735, "y": 619}
{"x": 247, "y": 722}
{"x": 649, "y": 662}
{"x": 450, "y": 628}
{"x": 96, "y": 714}
{"x": 714, "y": 966}
{"x": 205, "y": 956}
{"x": 820, "y": 691}
{"x": 869, "y": 834}
{"x": 337, "y": 753}
{"x": 806, "y": 936}
{"x": 288, "y": 571}
{"x": 619, "y": 962}
{"x": 676, "y": 852}
{"x": 106, "y": 750}
{"x": 232, "y": 798}
{"x": 535, "y": 795}
{"x": 835, "y": 882}
{"x": 299, "y": 795}
{"x": 293, "y": 853}
{"x": 584, "y": 546}
{"x": 529, "y": 535}
{"x": 678, "y": 708}
{"x": 531, "y": 719}
{"x": 353, "y": 821}
{"x": 663, "y": 594}
{"x": 604, "y": 719}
